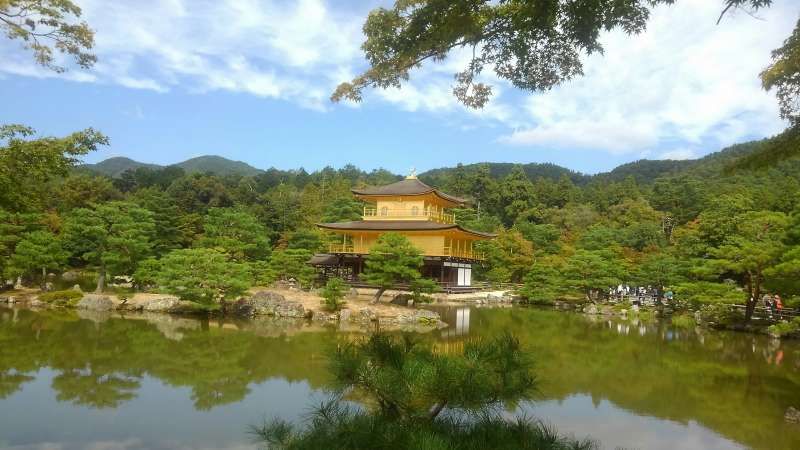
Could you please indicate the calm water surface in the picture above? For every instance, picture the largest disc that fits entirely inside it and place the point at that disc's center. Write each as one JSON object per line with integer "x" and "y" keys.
{"x": 79, "y": 380}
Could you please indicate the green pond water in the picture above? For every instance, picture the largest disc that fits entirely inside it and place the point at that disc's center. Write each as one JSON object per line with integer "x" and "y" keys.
{"x": 80, "y": 380}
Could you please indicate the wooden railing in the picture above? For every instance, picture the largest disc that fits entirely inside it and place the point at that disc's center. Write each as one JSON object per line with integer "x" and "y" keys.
{"x": 372, "y": 213}
{"x": 462, "y": 253}
{"x": 446, "y": 251}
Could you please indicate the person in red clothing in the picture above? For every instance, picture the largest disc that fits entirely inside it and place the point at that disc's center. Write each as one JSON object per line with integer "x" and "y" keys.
{"x": 778, "y": 305}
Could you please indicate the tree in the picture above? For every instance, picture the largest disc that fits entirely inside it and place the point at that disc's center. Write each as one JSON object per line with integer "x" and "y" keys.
{"x": 285, "y": 265}
{"x": 391, "y": 261}
{"x": 533, "y": 45}
{"x": 755, "y": 246}
{"x": 542, "y": 283}
{"x": 409, "y": 385}
{"x": 167, "y": 219}
{"x": 27, "y": 166}
{"x": 235, "y": 233}
{"x": 13, "y": 227}
{"x": 342, "y": 210}
{"x": 203, "y": 276}
{"x": 508, "y": 257}
{"x": 83, "y": 191}
{"x": 114, "y": 237}
{"x": 38, "y": 250}
{"x": 47, "y": 24}
{"x": 591, "y": 271}
{"x": 333, "y": 293}
{"x": 660, "y": 270}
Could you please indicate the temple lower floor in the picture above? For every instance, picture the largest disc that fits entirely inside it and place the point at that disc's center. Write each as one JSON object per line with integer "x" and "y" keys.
{"x": 447, "y": 271}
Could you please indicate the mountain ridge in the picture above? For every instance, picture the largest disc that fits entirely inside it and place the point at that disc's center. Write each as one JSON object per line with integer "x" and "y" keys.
{"x": 643, "y": 170}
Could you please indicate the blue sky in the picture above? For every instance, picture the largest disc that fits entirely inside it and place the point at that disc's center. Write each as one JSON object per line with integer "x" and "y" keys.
{"x": 250, "y": 80}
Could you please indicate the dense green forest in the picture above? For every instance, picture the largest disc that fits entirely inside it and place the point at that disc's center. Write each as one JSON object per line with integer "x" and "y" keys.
{"x": 710, "y": 234}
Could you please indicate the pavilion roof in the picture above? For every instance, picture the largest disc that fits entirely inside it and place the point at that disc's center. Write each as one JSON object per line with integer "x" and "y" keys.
{"x": 409, "y": 186}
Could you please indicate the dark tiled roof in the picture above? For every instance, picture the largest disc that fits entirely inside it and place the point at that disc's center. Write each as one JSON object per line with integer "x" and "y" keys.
{"x": 399, "y": 225}
{"x": 409, "y": 186}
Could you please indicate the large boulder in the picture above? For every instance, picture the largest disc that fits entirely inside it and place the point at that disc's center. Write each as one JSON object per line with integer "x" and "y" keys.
{"x": 167, "y": 303}
{"x": 268, "y": 303}
{"x": 591, "y": 309}
{"x": 95, "y": 302}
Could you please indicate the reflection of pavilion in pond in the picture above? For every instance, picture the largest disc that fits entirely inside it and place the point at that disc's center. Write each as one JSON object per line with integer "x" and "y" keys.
{"x": 457, "y": 317}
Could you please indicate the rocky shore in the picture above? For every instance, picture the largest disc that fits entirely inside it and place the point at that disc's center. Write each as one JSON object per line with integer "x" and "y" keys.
{"x": 279, "y": 303}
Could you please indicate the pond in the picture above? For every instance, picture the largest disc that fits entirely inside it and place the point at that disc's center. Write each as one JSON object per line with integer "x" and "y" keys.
{"x": 80, "y": 380}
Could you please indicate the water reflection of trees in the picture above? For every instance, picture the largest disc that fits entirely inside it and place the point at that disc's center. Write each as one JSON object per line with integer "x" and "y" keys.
{"x": 729, "y": 382}
{"x": 100, "y": 363}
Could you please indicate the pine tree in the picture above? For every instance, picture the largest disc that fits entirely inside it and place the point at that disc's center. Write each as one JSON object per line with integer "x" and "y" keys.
{"x": 392, "y": 260}
{"x": 114, "y": 237}
{"x": 39, "y": 250}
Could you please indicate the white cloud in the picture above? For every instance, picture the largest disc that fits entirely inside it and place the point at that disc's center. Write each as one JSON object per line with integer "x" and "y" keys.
{"x": 271, "y": 49}
{"x": 685, "y": 83}
{"x": 685, "y": 79}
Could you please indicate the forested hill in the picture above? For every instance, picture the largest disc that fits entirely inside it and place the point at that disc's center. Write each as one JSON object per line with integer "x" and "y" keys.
{"x": 644, "y": 171}
{"x": 501, "y": 170}
{"x": 115, "y": 167}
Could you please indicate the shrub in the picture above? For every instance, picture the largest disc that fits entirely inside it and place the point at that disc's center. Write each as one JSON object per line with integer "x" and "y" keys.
{"x": 333, "y": 293}
{"x": 67, "y": 297}
{"x": 721, "y": 315}
{"x": 203, "y": 276}
{"x": 785, "y": 328}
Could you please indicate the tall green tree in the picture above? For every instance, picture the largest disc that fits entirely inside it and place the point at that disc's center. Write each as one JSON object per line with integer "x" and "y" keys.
{"x": 47, "y": 25}
{"x": 508, "y": 257}
{"x": 755, "y": 246}
{"x": 391, "y": 261}
{"x": 285, "y": 265}
{"x": 37, "y": 251}
{"x": 27, "y": 166}
{"x": 593, "y": 271}
{"x": 114, "y": 237}
{"x": 235, "y": 233}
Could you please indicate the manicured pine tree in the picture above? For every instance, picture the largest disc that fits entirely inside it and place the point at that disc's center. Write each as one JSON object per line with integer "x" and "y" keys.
{"x": 392, "y": 260}
{"x": 37, "y": 251}
{"x": 114, "y": 237}
{"x": 235, "y": 233}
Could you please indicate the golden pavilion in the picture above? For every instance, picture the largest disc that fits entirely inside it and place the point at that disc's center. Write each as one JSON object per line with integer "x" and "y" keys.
{"x": 417, "y": 211}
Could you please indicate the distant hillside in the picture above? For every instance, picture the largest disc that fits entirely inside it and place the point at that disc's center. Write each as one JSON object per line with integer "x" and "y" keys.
{"x": 218, "y": 165}
{"x": 645, "y": 171}
{"x": 500, "y": 170}
{"x": 114, "y": 167}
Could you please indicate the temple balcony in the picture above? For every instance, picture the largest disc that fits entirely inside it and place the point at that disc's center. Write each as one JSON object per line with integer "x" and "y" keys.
{"x": 463, "y": 253}
{"x": 415, "y": 213}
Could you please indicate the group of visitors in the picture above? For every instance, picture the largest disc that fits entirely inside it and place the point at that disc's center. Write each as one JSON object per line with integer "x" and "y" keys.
{"x": 773, "y": 304}
{"x": 640, "y": 295}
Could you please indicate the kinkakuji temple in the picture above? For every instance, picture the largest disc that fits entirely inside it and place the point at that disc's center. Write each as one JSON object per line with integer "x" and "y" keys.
{"x": 417, "y": 211}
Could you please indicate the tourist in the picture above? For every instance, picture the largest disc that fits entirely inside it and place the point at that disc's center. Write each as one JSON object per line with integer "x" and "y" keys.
{"x": 778, "y": 305}
{"x": 768, "y": 304}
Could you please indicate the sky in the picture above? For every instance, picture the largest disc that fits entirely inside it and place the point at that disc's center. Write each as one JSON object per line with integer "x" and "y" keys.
{"x": 250, "y": 80}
